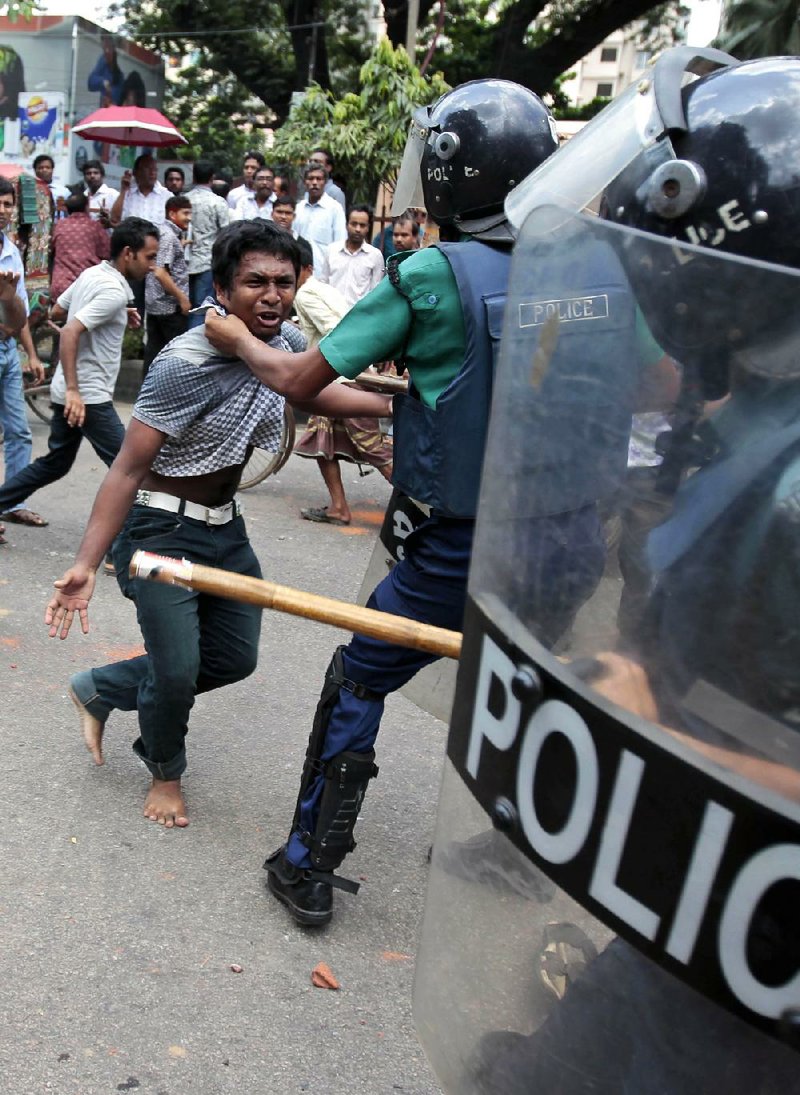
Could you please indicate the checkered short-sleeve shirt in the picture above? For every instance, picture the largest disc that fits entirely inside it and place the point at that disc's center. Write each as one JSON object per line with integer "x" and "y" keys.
{"x": 211, "y": 408}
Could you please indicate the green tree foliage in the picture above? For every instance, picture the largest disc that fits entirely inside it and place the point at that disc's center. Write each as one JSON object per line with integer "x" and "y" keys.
{"x": 530, "y": 41}
{"x": 760, "y": 28}
{"x": 365, "y": 132}
{"x": 16, "y": 9}
{"x": 270, "y": 48}
{"x": 216, "y": 115}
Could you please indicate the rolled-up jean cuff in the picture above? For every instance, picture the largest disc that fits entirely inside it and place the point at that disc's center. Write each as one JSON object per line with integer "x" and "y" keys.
{"x": 168, "y": 769}
{"x": 83, "y": 686}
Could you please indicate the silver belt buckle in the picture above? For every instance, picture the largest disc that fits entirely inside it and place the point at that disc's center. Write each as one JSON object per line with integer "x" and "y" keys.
{"x": 143, "y": 498}
{"x": 217, "y": 516}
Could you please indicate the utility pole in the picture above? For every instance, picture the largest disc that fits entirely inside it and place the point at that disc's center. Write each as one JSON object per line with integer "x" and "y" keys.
{"x": 411, "y": 28}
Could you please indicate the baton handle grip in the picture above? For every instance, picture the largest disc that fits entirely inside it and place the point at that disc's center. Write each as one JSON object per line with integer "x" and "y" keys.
{"x": 297, "y": 602}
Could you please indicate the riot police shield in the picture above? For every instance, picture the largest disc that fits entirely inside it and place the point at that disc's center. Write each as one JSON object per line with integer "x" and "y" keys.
{"x": 616, "y": 866}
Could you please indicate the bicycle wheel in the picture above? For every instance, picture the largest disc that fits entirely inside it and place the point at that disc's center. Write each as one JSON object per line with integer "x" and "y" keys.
{"x": 262, "y": 463}
{"x": 38, "y": 399}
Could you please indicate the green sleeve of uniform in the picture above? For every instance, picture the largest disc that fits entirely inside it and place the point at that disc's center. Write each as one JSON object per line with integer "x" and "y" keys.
{"x": 413, "y": 317}
{"x": 375, "y": 329}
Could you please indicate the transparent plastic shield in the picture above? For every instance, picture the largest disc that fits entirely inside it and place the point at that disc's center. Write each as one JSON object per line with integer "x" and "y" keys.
{"x": 408, "y": 190}
{"x": 616, "y": 867}
{"x": 582, "y": 169}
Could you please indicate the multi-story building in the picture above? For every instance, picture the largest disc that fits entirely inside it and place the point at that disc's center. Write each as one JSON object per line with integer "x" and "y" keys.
{"x": 609, "y": 68}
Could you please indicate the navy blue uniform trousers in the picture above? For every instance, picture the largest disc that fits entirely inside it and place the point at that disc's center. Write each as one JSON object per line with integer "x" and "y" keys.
{"x": 430, "y": 585}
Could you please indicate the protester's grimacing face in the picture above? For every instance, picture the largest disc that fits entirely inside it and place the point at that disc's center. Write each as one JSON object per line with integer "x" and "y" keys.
{"x": 262, "y": 293}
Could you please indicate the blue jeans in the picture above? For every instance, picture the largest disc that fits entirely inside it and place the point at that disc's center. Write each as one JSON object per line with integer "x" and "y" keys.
{"x": 17, "y": 440}
{"x": 102, "y": 428}
{"x": 200, "y": 286}
{"x": 194, "y": 642}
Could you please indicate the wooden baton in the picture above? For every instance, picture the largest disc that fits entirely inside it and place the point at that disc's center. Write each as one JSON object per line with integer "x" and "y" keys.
{"x": 296, "y": 602}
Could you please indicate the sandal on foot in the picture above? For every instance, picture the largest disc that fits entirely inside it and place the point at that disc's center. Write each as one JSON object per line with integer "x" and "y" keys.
{"x": 25, "y": 517}
{"x": 321, "y": 515}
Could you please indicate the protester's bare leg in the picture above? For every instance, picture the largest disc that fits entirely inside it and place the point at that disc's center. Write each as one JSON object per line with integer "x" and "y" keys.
{"x": 92, "y": 729}
{"x": 165, "y": 804}
{"x": 332, "y": 475}
{"x": 386, "y": 472}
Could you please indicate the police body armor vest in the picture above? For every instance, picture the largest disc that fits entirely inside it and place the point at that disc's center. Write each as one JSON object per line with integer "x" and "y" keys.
{"x": 438, "y": 453}
{"x": 575, "y": 359}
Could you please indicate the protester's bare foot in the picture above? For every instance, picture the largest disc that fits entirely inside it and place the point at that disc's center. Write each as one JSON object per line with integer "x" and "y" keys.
{"x": 92, "y": 729}
{"x": 165, "y": 804}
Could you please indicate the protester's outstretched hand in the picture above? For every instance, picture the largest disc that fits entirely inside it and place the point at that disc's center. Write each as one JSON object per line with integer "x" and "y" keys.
{"x": 73, "y": 593}
{"x": 225, "y": 333}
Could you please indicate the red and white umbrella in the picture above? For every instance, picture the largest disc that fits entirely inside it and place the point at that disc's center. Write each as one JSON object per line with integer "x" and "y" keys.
{"x": 129, "y": 125}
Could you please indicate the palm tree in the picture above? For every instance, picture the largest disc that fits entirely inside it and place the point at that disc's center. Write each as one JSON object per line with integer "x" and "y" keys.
{"x": 760, "y": 28}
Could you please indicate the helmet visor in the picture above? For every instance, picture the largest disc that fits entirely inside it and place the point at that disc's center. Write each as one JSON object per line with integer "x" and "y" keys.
{"x": 408, "y": 189}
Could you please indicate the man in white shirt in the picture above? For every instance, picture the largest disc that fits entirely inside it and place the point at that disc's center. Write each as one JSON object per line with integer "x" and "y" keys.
{"x": 251, "y": 164}
{"x": 352, "y": 265}
{"x": 96, "y": 309}
{"x": 259, "y": 201}
{"x": 319, "y": 218}
{"x": 319, "y": 308}
{"x": 101, "y": 196}
{"x": 210, "y": 214}
{"x": 141, "y": 195}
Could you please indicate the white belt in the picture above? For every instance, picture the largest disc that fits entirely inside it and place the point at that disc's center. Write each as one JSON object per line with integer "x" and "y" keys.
{"x": 156, "y": 500}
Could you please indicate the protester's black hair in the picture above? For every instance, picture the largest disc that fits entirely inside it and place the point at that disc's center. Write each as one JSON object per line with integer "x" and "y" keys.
{"x": 306, "y": 252}
{"x": 312, "y": 166}
{"x": 94, "y": 163}
{"x": 7, "y": 187}
{"x": 177, "y": 201}
{"x": 76, "y": 203}
{"x": 203, "y": 172}
{"x": 132, "y": 232}
{"x": 242, "y": 237}
{"x": 407, "y": 215}
{"x": 137, "y": 163}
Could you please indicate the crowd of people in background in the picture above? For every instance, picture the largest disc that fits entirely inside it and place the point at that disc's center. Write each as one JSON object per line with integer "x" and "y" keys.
{"x": 188, "y": 210}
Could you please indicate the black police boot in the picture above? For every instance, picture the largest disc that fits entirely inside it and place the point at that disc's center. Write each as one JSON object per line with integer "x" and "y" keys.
{"x": 306, "y": 893}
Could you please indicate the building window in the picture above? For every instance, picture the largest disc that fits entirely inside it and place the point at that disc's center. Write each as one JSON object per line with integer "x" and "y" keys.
{"x": 642, "y": 58}
{"x": 605, "y": 91}
{"x": 608, "y": 54}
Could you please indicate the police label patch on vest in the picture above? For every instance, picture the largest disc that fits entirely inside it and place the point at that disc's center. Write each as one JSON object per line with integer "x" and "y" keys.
{"x": 568, "y": 310}
{"x": 682, "y": 862}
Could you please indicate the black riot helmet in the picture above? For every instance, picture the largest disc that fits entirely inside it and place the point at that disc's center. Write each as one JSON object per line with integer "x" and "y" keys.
{"x": 470, "y": 148}
{"x": 730, "y": 185}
